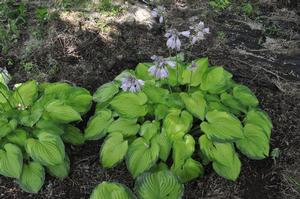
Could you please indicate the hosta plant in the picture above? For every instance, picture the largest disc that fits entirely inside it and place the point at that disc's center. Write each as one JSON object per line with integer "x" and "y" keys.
{"x": 182, "y": 115}
{"x": 35, "y": 121}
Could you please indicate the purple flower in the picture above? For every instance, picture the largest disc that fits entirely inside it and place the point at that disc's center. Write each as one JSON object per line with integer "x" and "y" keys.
{"x": 199, "y": 31}
{"x": 131, "y": 84}
{"x": 160, "y": 12}
{"x": 173, "y": 41}
{"x": 160, "y": 61}
{"x": 159, "y": 69}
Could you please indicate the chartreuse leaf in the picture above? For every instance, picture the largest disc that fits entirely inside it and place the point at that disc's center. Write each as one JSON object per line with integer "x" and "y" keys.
{"x": 177, "y": 124}
{"x": 19, "y": 137}
{"x": 51, "y": 127}
{"x": 98, "y": 124}
{"x": 128, "y": 127}
{"x": 160, "y": 111}
{"x": 255, "y": 145}
{"x": 130, "y": 105}
{"x": 194, "y": 77}
{"x": 141, "y": 156}
{"x": 159, "y": 185}
{"x": 142, "y": 72}
{"x": 25, "y": 94}
{"x": 11, "y": 161}
{"x": 48, "y": 149}
{"x": 62, "y": 113}
{"x": 155, "y": 94}
{"x": 222, "y": 127}
{"x": 61, "y": 170}
{"x": 106, "y": 92}
{"x": 234, "y": 104}
{"x": 164, "y": 145}
{"x": 245, "y": 95}
{"x": 216, "y": 80}
{"x": 149, "y": 129}
{"x": 188, "y": 170}
{"x": 183, "y": 149}
{"x": 79, "y": 99}
{"x": 108, "y": 190}
{"x": 113, "y": 150}
{"x": 174, "y": 101}
{"x": 73, "y": 135}
{"x": 32, "y": 178}
{"x": 225, "y": 160}
{"x": 261, "y": 119}
{"x": 6, "y": 126}
{"x": 31, "y": 117}
{"x": 4, "y": 93}
{"x": 59, "y": 89}
{"x": 195, "y": 104}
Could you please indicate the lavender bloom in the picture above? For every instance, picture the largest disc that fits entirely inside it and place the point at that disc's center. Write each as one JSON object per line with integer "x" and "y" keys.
{"x": 160, "y": 12}
{"x": 131, "y": 84}
{"x": 173, "y": 41}
{"x": 159, "y": 69}
{"x": 160, "y": 61}
{"x": 199, "y": 32}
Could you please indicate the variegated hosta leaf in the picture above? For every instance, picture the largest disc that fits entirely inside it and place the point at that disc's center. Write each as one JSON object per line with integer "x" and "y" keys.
{"x": 195, "y": 104}
{"x": 164, "y": 145}
{"x": 19, "y": 137}
{"x": 149, "y": 129}
{"x": 106, "y": 92}
{"x": 245, "y": 95}
{"x": 51, "y": 127}
{"x": 222, "y": 127}
{"x": 128, "y": 127}
{"x": 155, "y": 94}
{"x": 48, "y": 149}
{"x": 177, "y": 124}
{"x": 11, "y": 161}
{"x": 159, "y": 185}
{"x": 62, "y": 113}
{"x": 7, "y": 126}
{"x": 108, "y": 190}
{"x": 183, "y": 149}
{"x": 25, "y": 94}
{"x": 194, "y": 76}
{"x": 130, "y": 105}
{"x": 98, "y": 124}
{"x": 61, "y": 170}
{"x": 32, "y": 178}
{"x": 255, "y": 145}
{"x": 73, "y": 135}
{"x": 79, "y": 99}
{"x": 225, "y": 160}
{"x": 235, "y": 106}
{"x": 261, "y": 119}
{"x": 113, "y": 150}
{"x": 141, "y": 156}
{"x": 188, "y": 170}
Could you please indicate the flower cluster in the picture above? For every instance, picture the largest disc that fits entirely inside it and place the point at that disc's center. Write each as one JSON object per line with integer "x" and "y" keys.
{"x": 131, "y": 84}
{"x": 173, "y": 41}
{"x": 159, "y": 69}
{"x": 199, "y": 31}
{"x": 159, "y": 12}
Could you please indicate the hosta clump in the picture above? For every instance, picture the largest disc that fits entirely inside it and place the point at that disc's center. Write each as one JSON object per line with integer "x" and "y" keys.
{"x": 34, "y": 124}
{"x": 192, "y": 115}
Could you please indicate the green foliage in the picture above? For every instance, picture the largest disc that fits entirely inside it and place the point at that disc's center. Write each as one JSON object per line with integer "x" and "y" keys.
{"x": 219, "y": 4}
{"x": 247, "y": 8}
{"x": 157, "y": 128}
{"x": 107, "y": 190}
{"x": 34, "y": 122}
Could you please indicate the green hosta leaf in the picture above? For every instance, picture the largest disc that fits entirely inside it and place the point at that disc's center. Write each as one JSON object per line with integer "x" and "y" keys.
{"x": 195, "y": 104}
{"x": 32, "y": 178}
{"x": 48, "y": 149}
{"x": 159, "y": 185}
{"x": 113, "y": 150}
{"x": 174, "y": 101}
{"x": 73, "y": 135}
{"x": 11, "y": 161}
{"x": 19, "y": 137}
{"x": 59, "y": 89}
{"x": 62, "y": 113}
{"x": 106, "y": 92}
{"x": 222, "y": 127}
{"x": 155, "y": 94}
{"x": 225, "y": 160}
{"x": 164, "y": 145}
{"x": 79, "y": 99}
{"x": 175, "y": 75}
{"x": 141, "y": 156}
{"x": 4, "y": 93}
{"x": 149, "y": 129}
{"x": 206, "y": 149}
{"x": 161, "y": 111}
{"x": 51, "y": 127}
{"x": 6, "y": 127}
{"x": 189, "y": 170}
{"x": 182, "y": 150}
{"x": 26, "y": 93}
{"x": 255, "y": 145}
{"x": 31, "y": 117}
{"x": 97, "y": 125}
{"x": 245, "y": 95}
{"x": 261, "y": 119}
{"x": 61, "y": 170}
{"x": 130, "y": 105}
{"x": 216, "y": 80}
{"x": 142, "y": 72}
{"x": 107, "y": 190}
{"x": 128, "y": 127}
{"x": 194, "y": 77}
{"x": 177, "y": 124}
{"x": 233, "y": 103}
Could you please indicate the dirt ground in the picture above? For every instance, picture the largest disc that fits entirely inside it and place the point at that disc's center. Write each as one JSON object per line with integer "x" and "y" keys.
{"x": 88, "y": 49}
